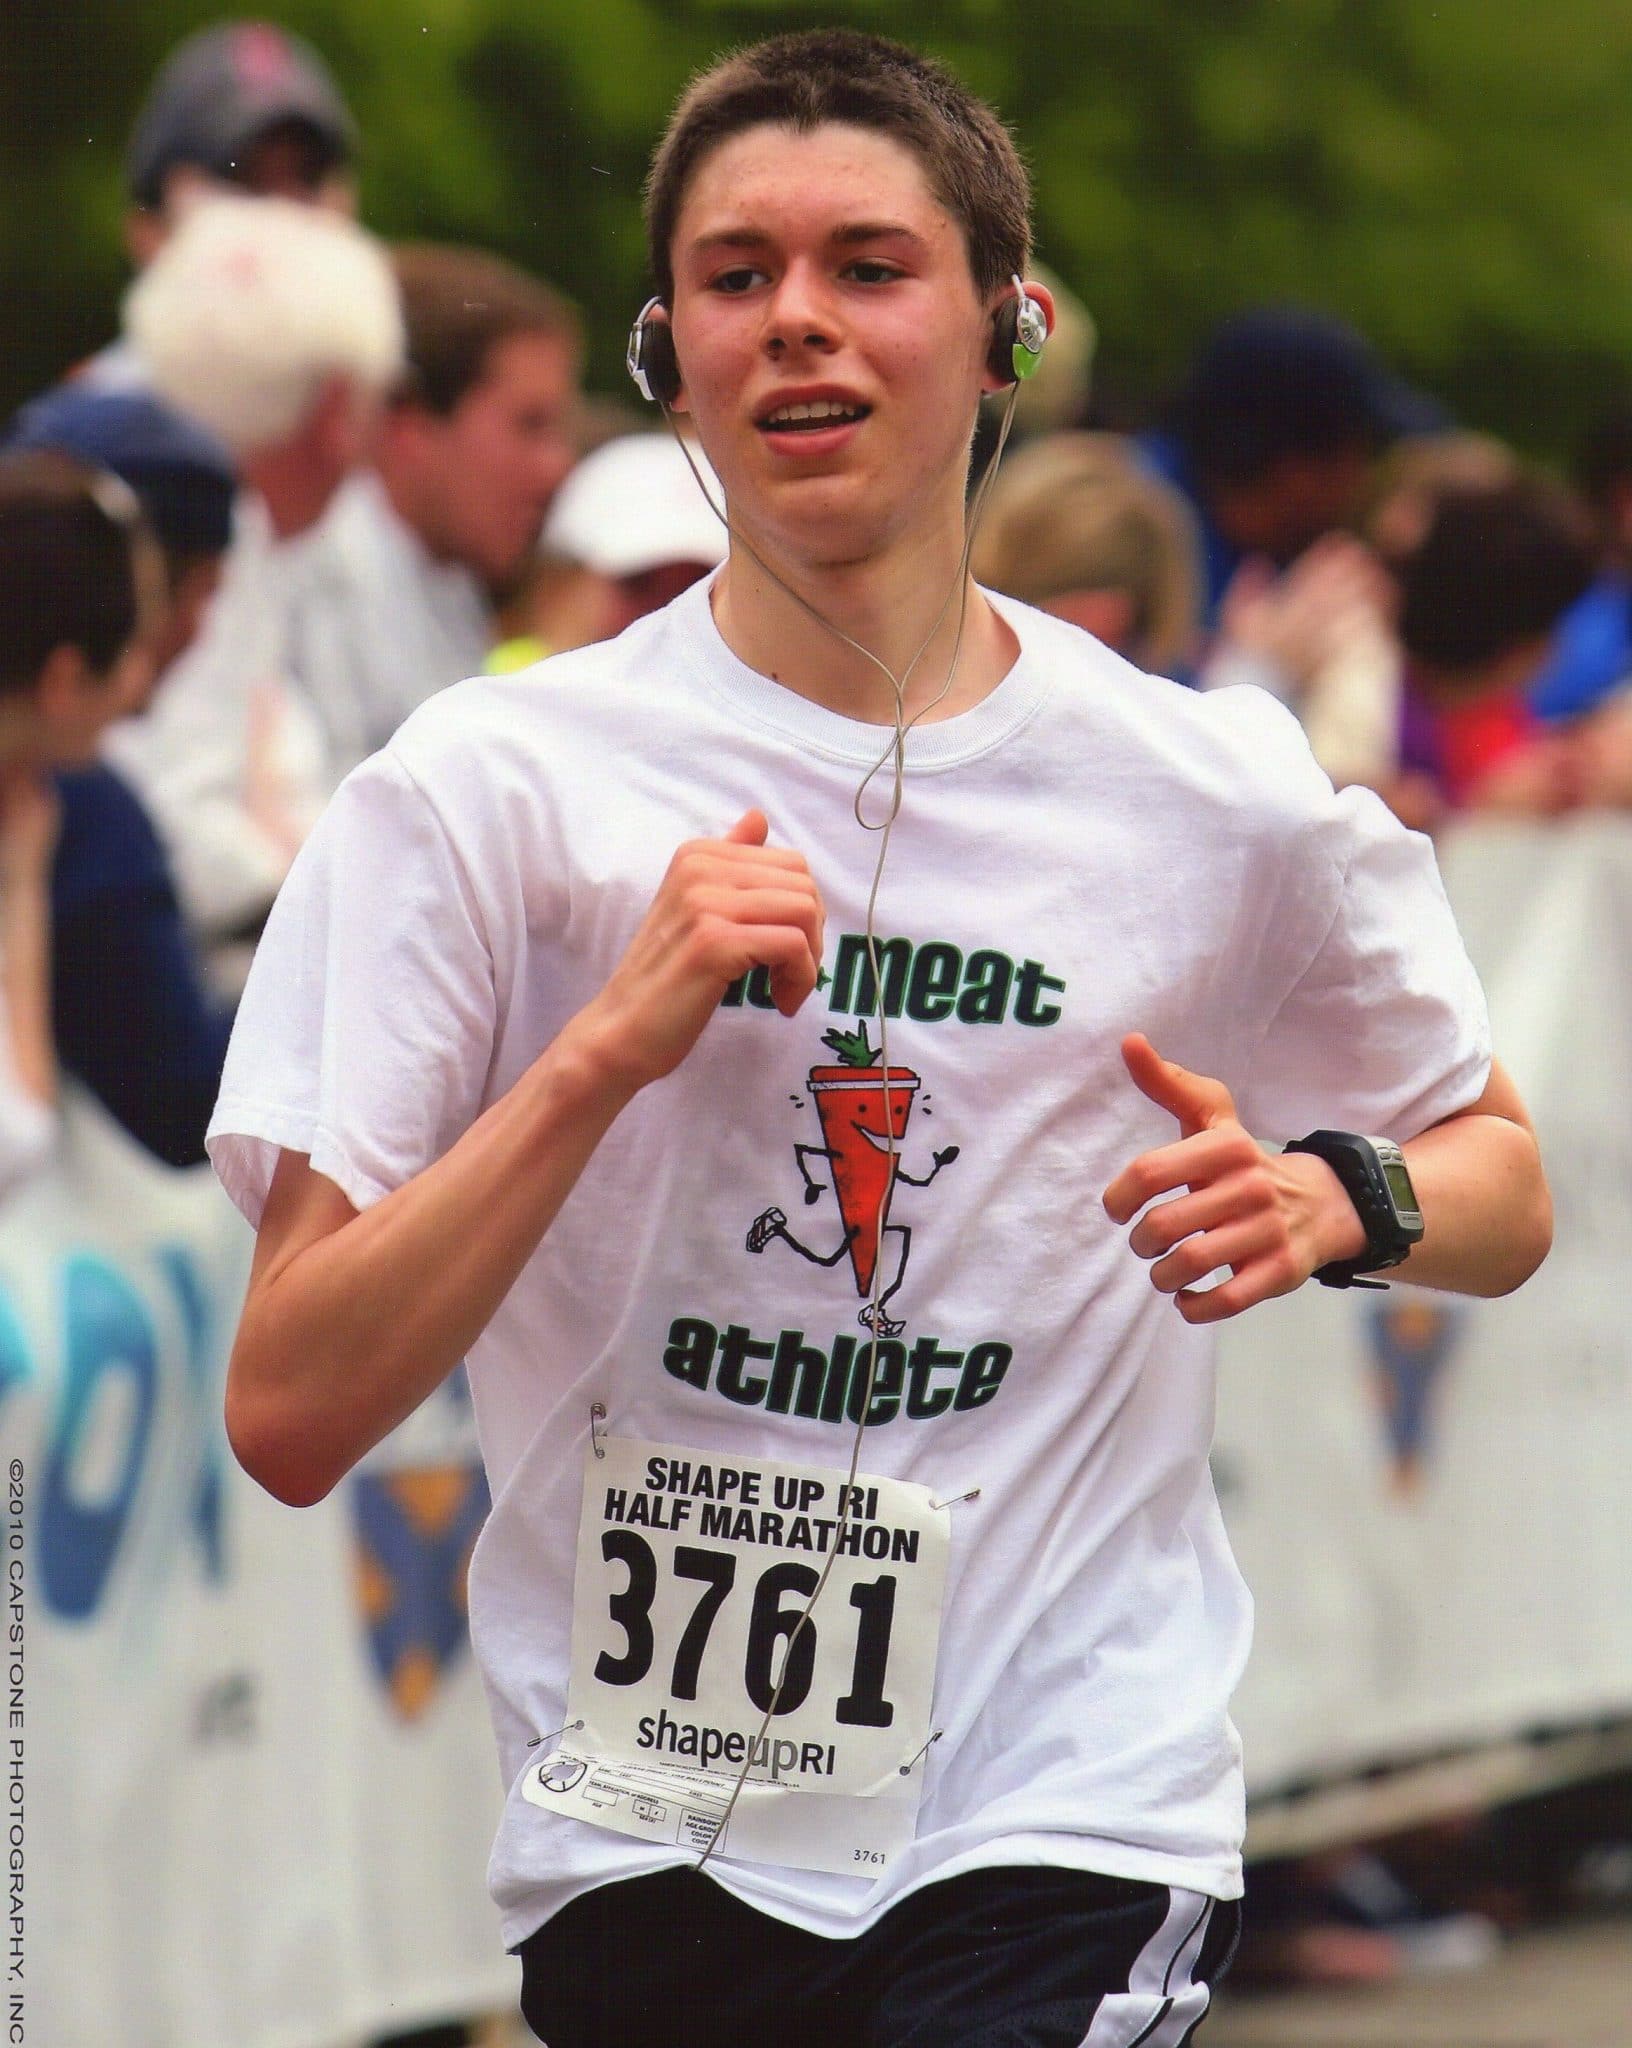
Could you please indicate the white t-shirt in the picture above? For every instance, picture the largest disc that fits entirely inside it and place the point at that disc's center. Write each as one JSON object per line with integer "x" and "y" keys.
{"x": 228, "y": 759}
{"x": 312, "y": 652}
{"x": 376, "y": 626}
{"x": 1088, "y": 851}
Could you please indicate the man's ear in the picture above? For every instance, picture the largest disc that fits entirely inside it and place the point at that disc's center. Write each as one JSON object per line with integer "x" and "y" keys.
{"x": 145, "y": 233}
{"x": 345, "y": 421}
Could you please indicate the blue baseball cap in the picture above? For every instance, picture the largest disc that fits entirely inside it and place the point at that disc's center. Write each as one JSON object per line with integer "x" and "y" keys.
{"x": 222, "y": 89}
{"x": 1285, "y": 379}
{"x": 180, "y": 475}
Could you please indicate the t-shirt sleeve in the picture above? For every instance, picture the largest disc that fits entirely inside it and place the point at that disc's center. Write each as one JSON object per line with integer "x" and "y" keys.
{"x": 366, "y": 1028}
{"x": 1383, "y": 1026}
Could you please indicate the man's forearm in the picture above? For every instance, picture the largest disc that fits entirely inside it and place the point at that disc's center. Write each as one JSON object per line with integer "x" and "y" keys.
{"x": 347, "y": 1329}
{"x": 1486, "y": 1211}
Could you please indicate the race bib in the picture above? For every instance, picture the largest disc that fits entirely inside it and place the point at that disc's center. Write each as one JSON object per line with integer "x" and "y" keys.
{"x": 693, "y": 1569}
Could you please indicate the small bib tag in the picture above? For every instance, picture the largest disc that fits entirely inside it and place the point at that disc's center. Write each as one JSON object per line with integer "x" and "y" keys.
{"x": 693, "y": 1569}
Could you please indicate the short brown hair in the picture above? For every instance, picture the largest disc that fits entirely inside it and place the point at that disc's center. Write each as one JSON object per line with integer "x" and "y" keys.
{"x": 69, "y": 542}
{"x": 458, "y": 305}
{"x": 801, "y": 81}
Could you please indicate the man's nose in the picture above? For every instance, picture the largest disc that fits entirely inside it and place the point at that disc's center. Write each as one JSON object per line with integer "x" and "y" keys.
{"x": 800, "y": 313}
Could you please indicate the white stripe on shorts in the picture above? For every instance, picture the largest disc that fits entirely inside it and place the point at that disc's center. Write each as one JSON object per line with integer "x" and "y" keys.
{"x": 1163, "y": 2001}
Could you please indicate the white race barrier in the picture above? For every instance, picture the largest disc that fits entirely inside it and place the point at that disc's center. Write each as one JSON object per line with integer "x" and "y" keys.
{"x": 1431, "y": 1497}
{"x": 259, "y": 1784}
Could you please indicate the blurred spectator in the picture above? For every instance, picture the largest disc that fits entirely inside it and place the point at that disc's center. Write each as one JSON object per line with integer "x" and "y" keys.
{"x": 277, "y": 327}
{"x": 1274, "y": 436}
{"x": 79, "y": 587}
{"x": 1417, "y": 470}
{"x": 132, "y": 1017}
{"x": 1480, "y": 594}
{"x": 398, "y": 599}
{"x": 242, "y": 104}
{"x": 629, "y": 530}
{"x": 1406, "y": 662}
{"x": 1076, "y": 526}
{"x": 1593, "y": 655}
{"x": 180, "y": 474}
{"x": 1319, "y": 636}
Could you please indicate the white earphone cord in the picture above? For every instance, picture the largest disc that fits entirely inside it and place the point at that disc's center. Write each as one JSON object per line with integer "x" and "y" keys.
{"x": 895, "y": 754}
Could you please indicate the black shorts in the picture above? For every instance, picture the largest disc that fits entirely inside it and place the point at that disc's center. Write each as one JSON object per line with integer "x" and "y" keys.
{"x": 1003, "y": 1958}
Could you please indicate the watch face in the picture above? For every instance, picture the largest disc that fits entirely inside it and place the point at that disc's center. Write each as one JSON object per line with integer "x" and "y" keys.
{"x": 1399, "y": 1186}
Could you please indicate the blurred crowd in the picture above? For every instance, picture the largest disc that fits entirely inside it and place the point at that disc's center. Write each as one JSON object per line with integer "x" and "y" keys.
{"x": 316, "y": 478}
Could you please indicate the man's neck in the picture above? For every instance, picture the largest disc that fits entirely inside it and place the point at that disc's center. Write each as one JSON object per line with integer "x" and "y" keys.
{"x": 407, "y": 501}
{"x": 893, "y": 605}
{"x": 295, "y": 491}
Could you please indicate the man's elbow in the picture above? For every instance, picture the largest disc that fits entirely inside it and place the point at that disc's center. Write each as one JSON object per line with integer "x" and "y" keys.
{"x": 275, "y": 1449}
{"x": 1541, "y": 1227}
{"x": 1528, "y": 1238}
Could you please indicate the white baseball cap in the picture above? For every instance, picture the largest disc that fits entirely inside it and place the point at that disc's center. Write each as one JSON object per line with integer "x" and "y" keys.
{"x": 633, "y": 504}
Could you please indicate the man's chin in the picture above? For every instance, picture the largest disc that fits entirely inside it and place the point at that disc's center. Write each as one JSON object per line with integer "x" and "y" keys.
{"x": 819, "y": 522}
{"x": 504, "y": 577}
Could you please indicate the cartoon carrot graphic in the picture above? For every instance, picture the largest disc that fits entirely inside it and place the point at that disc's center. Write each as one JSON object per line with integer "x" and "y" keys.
{"x": 858, "y": 1119}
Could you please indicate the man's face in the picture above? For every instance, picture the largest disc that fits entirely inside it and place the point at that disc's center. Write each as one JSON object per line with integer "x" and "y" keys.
{"x": 286, "y": 162}
{"x": 74, "y": 704}
{"x": 1294, "y": 503}
{"x": 289, "y": 161}
{"x": 488, "y": 471}
{"x": 819, "y": 271}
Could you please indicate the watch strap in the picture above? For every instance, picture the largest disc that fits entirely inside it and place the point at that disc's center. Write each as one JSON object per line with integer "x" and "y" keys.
{"x": 1354, "y": 1159}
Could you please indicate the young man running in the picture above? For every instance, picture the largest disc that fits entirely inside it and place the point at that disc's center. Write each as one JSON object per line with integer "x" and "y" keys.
{"x": 516, "y": 1078}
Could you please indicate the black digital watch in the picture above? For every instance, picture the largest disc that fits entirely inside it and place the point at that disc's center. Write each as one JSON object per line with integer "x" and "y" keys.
{"x": 1376, "y": 1181}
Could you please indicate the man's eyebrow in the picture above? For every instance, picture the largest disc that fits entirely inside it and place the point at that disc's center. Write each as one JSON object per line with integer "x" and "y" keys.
{"x": 848, "y": 235}
{"x": 731, "y": 238}
{"x": 877, "y": 231}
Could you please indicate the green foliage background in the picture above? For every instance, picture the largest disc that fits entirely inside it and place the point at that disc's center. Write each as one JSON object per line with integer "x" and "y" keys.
{"x": 1452, "y": 175}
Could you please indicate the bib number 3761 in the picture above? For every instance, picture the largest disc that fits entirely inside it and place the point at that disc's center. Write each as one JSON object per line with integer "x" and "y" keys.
{"x": 779, "y": 1663}
{"x": 693, "y": 1570}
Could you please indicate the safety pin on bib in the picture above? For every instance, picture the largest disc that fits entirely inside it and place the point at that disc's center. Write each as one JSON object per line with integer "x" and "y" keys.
{"x": 908, "y": 1768}
{"x": 534, "y": 1740}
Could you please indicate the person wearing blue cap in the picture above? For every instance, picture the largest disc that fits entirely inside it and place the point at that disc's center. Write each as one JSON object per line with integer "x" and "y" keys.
{"x": 1274, "y": 434}
{"x": 244, "y": 104}
{"x": 240, "y": 106}
{"x": 132, "y": 1018}
{"x": 181, "y": 475}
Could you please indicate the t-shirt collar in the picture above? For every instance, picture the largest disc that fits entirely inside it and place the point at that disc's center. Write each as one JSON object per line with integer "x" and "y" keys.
{"x": 937, "y": 743}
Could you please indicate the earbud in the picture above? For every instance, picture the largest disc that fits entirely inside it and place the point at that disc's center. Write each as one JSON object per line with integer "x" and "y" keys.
{"x": 651, "y": 359}
{"x": 1020, "y": 328}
